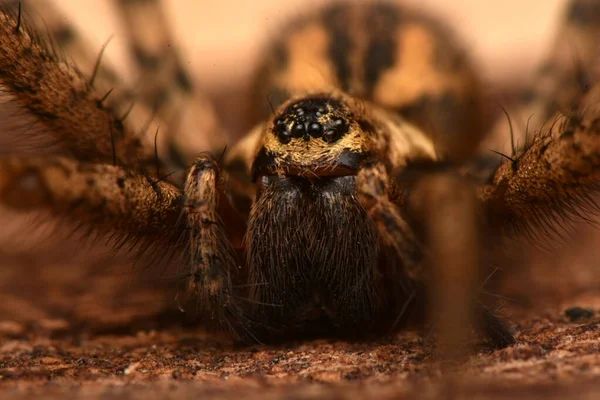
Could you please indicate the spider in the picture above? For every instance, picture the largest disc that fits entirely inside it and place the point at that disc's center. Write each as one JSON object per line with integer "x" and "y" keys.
{"x": 361, "y": 198}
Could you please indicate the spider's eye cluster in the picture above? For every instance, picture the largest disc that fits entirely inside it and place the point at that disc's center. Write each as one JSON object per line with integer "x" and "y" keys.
{"x": 311, "y": 118}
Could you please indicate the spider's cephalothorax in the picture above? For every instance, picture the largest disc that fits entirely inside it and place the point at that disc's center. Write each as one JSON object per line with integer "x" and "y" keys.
{"x": 353, "y": 197}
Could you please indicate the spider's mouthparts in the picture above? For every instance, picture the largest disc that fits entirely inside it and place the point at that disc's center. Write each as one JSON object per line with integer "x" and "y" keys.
{"x": 346, "y": 162}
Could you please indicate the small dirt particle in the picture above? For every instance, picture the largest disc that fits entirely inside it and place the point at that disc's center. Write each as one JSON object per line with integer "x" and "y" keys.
{"x": 578, "y": 313}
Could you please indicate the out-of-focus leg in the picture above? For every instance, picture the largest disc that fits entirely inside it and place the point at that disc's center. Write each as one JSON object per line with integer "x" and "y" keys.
{"x": 100, "y": 197}
{"x": 166, "y": 85}
{"x": 562, "y": 80}
{"x": 450, "y": 212}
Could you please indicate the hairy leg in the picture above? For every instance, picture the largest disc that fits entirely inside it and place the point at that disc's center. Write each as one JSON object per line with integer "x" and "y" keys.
{"x": 553, "y": 180}
{"x": 445, "y": 256}
{"x": 60, "y": 98}
{"x": 101, "y": 197}
{"x": 559, "y": 84}
{"x": 47, "y": 20}
{"x": 117, "y": 96}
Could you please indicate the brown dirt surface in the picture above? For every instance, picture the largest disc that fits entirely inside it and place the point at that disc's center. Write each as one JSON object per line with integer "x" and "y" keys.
{"x": 81, "y": 330}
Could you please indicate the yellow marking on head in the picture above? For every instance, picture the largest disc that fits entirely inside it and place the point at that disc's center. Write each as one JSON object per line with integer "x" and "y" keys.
{"x": 371, "y": 132}
{"x": 306, "y": 153}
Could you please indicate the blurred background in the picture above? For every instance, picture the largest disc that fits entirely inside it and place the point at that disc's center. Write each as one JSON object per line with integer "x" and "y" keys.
{"x": 222, "y": 40}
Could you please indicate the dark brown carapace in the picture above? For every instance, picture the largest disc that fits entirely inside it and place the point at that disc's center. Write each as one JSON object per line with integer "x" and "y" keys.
{"x": 351, "y": 207}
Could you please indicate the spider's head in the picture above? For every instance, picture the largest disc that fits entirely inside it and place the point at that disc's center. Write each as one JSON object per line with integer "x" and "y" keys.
{"x": 314, "y": 136}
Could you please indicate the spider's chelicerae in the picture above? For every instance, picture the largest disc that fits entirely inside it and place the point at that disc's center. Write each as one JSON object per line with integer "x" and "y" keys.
{"x": 362, "y": 197}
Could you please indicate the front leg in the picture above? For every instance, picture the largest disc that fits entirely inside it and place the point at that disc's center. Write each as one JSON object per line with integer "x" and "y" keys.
{"x": 214, "y": 265}
{"x": 447, "y": 207}
{"x": 445, "y": 255}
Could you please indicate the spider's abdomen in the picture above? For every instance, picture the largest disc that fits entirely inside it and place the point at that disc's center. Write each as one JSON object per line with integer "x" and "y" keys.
{"x": 396, "y": 58}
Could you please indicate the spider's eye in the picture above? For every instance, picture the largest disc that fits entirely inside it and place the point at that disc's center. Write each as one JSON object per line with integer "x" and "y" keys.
{"x": 335, "y": 131}
{"x": 315, "y": 129}
{"x": 312, "y": 118}
{"x": 282, "y": 131}
{"x": 298, "y": 129}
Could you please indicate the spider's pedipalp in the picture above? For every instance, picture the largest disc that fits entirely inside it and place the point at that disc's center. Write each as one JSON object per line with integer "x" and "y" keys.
{"x": 102, "y": 197}
{"x": 373, "y": 186}
{"x": 443, "y": 255}
{"x": 213, "y": 262}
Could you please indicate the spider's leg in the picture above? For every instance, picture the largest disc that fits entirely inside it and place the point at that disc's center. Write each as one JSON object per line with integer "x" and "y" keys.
{"x": 66, "y": 39}
{"x": 168, "y": 87}
{"x": 142, "y": 115}
{"x": 560, "y": 82}
{"x": 445, "y": 260}
{"x": 215, "y": 232}
{"x": 47, "y": 19}
{"x": 102, "y": 197}
{"x": 56, "y": 94}
{"x": 554, "y": 180}
{"x": 373, "y": 185}
{"x": 447, "y": 207}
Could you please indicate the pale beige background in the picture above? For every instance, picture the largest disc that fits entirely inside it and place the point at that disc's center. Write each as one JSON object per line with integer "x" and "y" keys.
{"x": 222, "y": 38}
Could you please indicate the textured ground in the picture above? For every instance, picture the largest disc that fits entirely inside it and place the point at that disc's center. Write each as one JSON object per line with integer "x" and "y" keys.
{"x": 95, "y": 332}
